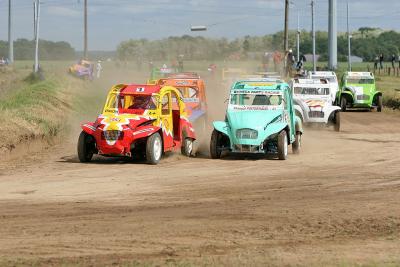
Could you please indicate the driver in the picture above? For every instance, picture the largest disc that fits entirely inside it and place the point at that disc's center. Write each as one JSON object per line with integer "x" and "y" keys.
{"x": 142, "y": 102}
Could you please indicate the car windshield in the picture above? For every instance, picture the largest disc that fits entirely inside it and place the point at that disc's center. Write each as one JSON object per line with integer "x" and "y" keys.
{"x": 311, "y": 91}
{"x": 130, "y": 103}
{"x": 360, "y": 81}
{"x": 259, "y": 98}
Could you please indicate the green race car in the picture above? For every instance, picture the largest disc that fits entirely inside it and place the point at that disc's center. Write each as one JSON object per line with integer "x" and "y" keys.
{"x": 260, "y": 118}
{"x": 358, "y": 90}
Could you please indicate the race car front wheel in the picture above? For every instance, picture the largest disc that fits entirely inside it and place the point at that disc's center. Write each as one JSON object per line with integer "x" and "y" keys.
{"x": 187, "y": 147}
{"x": 85, "y": 147}
{"x": 215, "y": 151}
{"x": 296, "y": 146}
{"x": 337, "y": 121}
{"x": 154, "y": 149}
{"x": 379, "y": 103}
{"x": 282, "y": 145}
{"x": 343, "y": 104}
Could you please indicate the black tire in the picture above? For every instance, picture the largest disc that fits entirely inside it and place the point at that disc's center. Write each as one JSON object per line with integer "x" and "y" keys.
{"x": 154, "y": 149}
{"x": 215, "y": 152}
{"x": 282, "y": 145}
{"x": 296, "y": 146}
{"x": 343, "y": 104}
{"x": 379, "y": 104}
{"x": 336, "y": 121}
{"x": 187, "y": 147}
{"x": 85, "y": 147}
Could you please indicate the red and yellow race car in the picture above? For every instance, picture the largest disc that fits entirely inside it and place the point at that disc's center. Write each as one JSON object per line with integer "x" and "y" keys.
{"x": 192, "y": 88}
{"x": 138, "y": 120}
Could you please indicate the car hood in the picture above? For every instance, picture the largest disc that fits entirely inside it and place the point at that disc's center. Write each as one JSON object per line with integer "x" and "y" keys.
{"x": 361, "y": 88}
{"x": 256, "y": 120}
{"x": 117, "y": 121}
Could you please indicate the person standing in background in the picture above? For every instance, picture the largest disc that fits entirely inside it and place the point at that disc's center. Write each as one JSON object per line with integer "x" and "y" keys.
{"x": 376, "y": 61}
{"x": 381, "y": 58}
{"x": 98, "y": 69}
{"x": 393, "y": 60}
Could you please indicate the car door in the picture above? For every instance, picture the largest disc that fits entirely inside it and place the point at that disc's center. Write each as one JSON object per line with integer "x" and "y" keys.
{"x": 166, "y": 121}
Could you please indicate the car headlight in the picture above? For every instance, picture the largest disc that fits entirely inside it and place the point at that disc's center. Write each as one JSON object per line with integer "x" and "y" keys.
{"x": 246, "y": 134}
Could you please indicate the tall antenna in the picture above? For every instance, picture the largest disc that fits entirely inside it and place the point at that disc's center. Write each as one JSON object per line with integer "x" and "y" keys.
{"x": 85, "y": 35}
{"x": 313, "y": 35}
{"x": 37, "y": 19}
{"x": 298, "y": 36}
{"x": 332, "y": 64}
{"x": 348, "y": 36}
{"x": 286, "y": 30}
{"x": 10, "y": 37}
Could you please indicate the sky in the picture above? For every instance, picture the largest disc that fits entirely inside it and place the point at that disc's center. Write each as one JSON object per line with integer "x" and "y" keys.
{"x": 113, "y": 21}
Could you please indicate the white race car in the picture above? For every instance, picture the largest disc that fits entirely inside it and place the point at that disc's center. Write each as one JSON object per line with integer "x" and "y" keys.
{"x": 331, "y": 77}
{"x": 313, "y": 102}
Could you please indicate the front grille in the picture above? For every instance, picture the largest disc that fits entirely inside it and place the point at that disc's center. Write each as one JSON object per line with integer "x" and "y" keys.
{"x": 316, "y": 114}
{"x": 246, "y": 134}
{"x": 112, "y": 135}
{"x": 246, "y": 148}
{"x": 363, "y": 97}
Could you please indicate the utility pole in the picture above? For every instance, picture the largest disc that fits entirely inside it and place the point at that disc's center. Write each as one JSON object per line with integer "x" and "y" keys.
{"x": 348, "y": 36}
{"x": 10, "y": 37}
{"x": 286, "y": 31}
{"x": 85, "y": 35}
{"x": 332, "y": 64}
{"x": 37, "y": 19}
{"x": 313, "y": 35}
{"x": 298, "y": 36}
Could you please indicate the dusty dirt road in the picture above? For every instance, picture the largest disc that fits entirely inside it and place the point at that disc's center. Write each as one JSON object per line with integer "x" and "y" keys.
{"x": 335, "y": 204}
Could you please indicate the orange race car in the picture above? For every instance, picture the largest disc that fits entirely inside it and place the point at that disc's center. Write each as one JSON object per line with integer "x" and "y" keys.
{"x": 192, "y": 88}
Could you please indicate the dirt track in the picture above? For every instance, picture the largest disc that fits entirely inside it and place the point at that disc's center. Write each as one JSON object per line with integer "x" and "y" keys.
{"x": 336, "y": 203}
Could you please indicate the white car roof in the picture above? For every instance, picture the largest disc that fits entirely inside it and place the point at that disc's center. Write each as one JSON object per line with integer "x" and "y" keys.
{"x": 323, "y": 73}
{"x": 311, "y": 82}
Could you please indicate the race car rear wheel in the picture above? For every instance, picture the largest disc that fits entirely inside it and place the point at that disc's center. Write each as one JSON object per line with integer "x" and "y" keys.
{"x": 215, "y": 152}
{"x": 282, "y": 145}
{"x": 343, "y": 104}
{"x": 154, "y": 149}
{"x": 86, "y": 147}
{"x": 296, "y": 146}
{"x": 379, "y": 103}
{"x": 187, "y": 147}
{"x": 337, "y": 121}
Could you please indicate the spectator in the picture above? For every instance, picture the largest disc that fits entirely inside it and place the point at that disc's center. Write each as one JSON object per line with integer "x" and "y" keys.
{"x": 376, "y": 61}
{"x": 289, "y": 62}
{"x": 98, "y": 69}
{"x": 277, "y": 61}
{"x": 381, "y": 58}
{"x": 393, "y": 60}
{"x": 399, "y": 60}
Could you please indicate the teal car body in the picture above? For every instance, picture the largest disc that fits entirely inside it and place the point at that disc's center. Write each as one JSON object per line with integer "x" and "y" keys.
{"x": 258, "y": 112}
{"x": 358, "y": 90}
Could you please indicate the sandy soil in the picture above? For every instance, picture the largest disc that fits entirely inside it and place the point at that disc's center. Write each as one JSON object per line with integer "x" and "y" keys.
{"x": 335, "y": 204}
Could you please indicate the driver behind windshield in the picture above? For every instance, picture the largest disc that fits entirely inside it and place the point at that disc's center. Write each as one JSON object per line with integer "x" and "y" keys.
{"x": 142, "y": 102}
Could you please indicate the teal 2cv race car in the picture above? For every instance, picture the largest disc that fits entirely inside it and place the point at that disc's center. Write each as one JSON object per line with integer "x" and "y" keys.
{"x": 358, "y": 90}
{"x": 260, "y": 118}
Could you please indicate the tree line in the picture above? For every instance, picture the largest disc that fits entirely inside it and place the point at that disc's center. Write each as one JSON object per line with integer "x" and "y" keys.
{"x": 48, "y": 50}
{"x": 367, "y": 43}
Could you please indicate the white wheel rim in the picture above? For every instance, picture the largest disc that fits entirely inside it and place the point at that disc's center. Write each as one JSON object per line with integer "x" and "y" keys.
{"x": 189, "y": 146}
{"x": 157, "y": 148}
{"x": 285, "y": 147}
